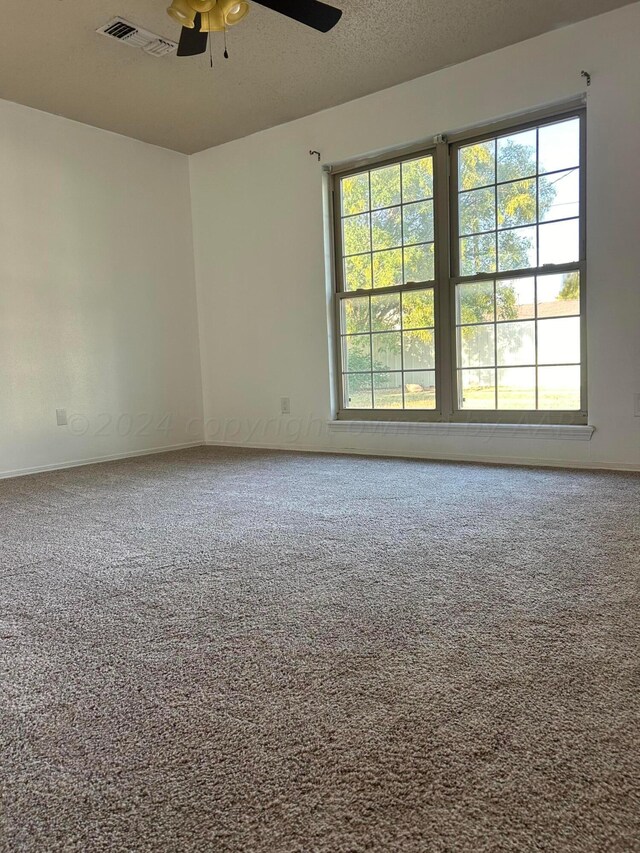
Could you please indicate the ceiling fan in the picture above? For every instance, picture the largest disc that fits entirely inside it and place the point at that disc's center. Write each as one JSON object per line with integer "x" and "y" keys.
{"x": 198, "y": 18}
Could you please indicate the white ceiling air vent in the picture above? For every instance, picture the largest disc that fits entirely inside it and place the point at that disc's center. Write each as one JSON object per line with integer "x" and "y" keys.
{"x": 128, "y": 33}
{"x": 160, "y": 47}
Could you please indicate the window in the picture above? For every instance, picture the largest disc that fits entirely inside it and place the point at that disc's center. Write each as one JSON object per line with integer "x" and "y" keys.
{"x": 387, "y": 238}
{"x": 462, "y": 298}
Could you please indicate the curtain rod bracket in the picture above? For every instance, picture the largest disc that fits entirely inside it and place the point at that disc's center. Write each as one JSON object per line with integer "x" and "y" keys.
{"x": 587, "y": 75}
{"x": 316, "y": 153}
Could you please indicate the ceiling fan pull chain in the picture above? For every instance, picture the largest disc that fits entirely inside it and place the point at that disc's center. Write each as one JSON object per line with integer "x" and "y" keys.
{"x": 226, "y": 52}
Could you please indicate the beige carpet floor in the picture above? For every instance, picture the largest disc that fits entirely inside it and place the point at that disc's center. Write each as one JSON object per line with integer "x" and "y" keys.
{"x": 247, "y": 651}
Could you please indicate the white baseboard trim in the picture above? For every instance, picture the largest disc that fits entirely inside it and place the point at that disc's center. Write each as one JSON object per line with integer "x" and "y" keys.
{"x": 95, "y": 460}
{"x": 435, "y": 457}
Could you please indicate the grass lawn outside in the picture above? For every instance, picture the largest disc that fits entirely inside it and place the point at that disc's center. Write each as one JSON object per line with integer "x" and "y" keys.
{"x": 481, "y": 397}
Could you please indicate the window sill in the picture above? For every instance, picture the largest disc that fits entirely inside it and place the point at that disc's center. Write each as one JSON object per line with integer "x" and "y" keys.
{"x": 468, "y": 430}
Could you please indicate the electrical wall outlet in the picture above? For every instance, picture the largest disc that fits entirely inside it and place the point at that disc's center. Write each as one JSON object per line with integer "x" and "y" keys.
{"x": 285, "y": 406}
{"x": 61, "y": 417}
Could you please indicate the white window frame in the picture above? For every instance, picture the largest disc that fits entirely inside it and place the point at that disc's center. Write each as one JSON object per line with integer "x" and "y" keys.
{"x": 444, "y": 155}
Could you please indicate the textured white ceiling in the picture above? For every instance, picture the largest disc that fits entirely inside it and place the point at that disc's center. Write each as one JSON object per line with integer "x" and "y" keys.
{"x": 51, "y": 59}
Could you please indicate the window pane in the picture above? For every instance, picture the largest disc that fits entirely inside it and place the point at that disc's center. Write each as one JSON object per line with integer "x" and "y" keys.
{"x": 515, "y": 299}
{"x": 476, "y": 346}
{"x": 387, "y": 268}
{"x": 419, "y": 263}
{"x": 357, "y": 391}
{"x": 517, "y": 204}
{"x": 559, "y": 146}
{"x": 559, "y": 341}
{"x": 517, "y": 249}
{"x": 419, "y": 390}
{"x": 517, "y": 156}
{"x": 477, "y": 211}
{"x": 559, "y": 388}
{"x": 386, "y": 351}
{"x": 474, "y": 302}
{"x": 357, "y": 352}
{"x": 357, "y": 234}
{"x": 417, "y": 179}
{"x": 477, "y": 389}
{"x": 355, "y": 194}
{"x": 385, "y": 312}
{"x": 387, "y": 390}
{"x": 559, "y": 295}
{"x": 418, "y": 350}
{"x": 559, "y": 195}
{"x": 385, "y": 187}
{"x": 517, "y": 388}
{"x": 417, "y": 309}
{"x": 560, "y": 242}
{"x": 477, "y": 254}
{"x": 418, "y": 222}
{"x": 477, "y": 165}
{"x": 516, "y": 343}
{"x": 357, "y": 272}
{"x": 386, "y": 228}
{"x": 355, "y": 315}
{"x": 521, "y": 199}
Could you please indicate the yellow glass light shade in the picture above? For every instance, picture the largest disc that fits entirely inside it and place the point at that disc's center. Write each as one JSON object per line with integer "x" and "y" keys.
{"x": 233, "y": 11}
{"x": 202, "y": 6}
{"x": 225, "y": 13}
{"x": 212, "y": 22}
{"x": 215, "y": 15}
{"x": 182, "y": 13}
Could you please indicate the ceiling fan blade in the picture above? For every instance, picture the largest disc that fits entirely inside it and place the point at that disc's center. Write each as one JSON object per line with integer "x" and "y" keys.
{"x": 314, "y": 14}
{"x": 192, "y": 42}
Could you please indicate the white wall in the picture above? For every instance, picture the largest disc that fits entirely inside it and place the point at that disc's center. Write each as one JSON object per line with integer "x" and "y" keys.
{"x": 260, "y": 258}
{"x": 97, "y": 294}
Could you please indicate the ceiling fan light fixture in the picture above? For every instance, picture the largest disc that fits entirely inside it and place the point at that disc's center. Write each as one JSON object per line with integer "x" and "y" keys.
{"x": 183, "y": 13}
{"x": 233, "y": 11}
{"x": 212, "y": 21}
